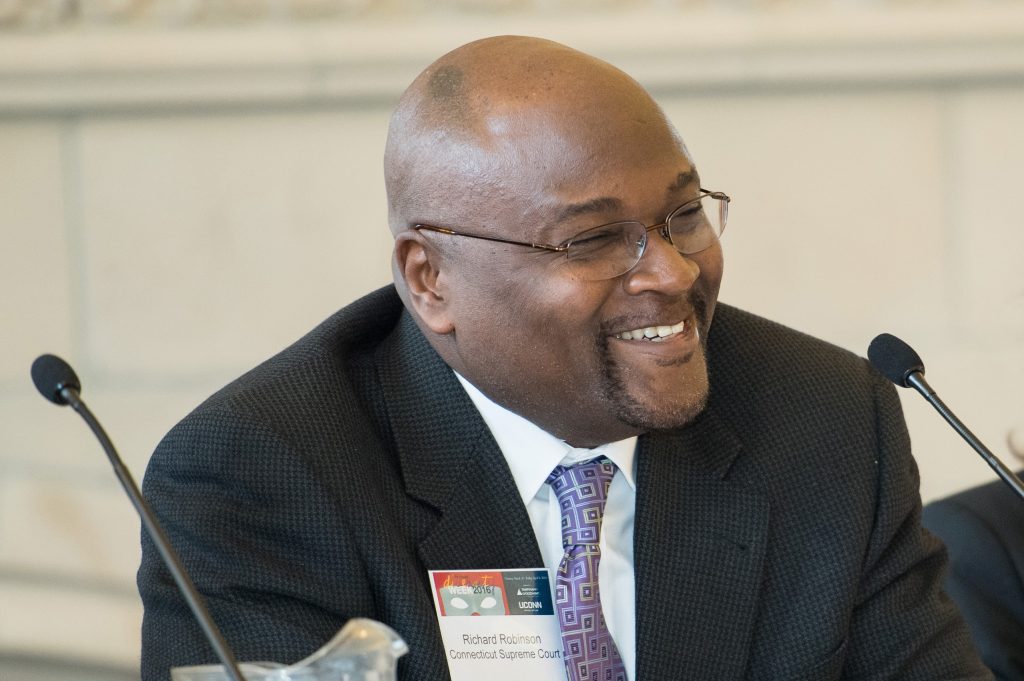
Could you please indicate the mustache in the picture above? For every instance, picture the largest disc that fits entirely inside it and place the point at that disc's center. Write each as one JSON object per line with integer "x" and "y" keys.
{"x": 697, "y": 303}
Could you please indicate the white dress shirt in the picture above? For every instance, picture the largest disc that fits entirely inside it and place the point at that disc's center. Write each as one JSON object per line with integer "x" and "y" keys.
{"x": 532, "y": 454}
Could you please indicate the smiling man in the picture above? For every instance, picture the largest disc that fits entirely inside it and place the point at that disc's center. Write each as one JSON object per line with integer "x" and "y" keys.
{"x": 551, "y": 383}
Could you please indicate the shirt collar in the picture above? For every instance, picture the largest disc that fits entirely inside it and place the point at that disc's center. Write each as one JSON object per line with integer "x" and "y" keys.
{"x": 532, "y": 452}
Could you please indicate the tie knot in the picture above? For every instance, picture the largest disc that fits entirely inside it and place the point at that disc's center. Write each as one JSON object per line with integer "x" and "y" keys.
{"x": 582, "y": 491}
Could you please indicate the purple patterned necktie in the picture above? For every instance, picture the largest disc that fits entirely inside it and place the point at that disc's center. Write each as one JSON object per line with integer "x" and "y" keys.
{"x": 590, "y": 652}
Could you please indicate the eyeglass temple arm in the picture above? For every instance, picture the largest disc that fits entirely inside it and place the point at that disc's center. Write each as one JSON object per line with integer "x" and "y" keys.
{"x": 445, "y": 230}
{"x": 721, "y": 196}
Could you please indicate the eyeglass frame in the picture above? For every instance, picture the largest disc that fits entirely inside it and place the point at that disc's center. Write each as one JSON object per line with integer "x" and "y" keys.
{"x": 564, "y": 246}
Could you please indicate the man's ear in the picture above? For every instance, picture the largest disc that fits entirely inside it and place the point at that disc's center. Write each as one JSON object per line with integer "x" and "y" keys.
{"x": 418, "y": 263}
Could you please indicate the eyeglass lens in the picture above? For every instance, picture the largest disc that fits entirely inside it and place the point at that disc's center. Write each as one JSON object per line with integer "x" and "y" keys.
{"x": 610, "y": 250}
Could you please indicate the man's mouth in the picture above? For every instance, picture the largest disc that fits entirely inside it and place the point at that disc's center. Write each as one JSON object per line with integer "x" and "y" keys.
{"x": 654, "y": 333}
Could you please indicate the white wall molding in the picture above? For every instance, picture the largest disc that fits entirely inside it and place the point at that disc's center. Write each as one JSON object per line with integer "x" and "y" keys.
{"x": 132, "y": 66}
{"x": 44, "y": 15}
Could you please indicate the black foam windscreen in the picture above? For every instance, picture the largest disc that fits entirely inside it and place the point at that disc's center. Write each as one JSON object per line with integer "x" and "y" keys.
{"x": 894, "y": 358}
{"x": 51, "y": 374}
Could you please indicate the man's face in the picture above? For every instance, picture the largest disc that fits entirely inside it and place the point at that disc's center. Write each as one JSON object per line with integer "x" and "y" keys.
{"x": 543, "y": 341}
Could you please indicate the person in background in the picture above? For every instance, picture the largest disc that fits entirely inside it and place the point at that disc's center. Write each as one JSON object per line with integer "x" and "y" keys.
{"x": 983, "y": 529}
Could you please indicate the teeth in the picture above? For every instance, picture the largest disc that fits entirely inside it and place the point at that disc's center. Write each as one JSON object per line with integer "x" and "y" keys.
{"x": 652, "y": 332}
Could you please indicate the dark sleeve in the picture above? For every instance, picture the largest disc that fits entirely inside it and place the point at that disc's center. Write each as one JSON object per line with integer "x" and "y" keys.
{"x": 904, "y": 626}
{"x": 984, "y": 582}
{"x": 250, "y": 523}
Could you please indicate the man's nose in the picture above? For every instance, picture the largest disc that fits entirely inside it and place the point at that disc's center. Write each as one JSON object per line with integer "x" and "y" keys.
{"x": 661, "y": 268}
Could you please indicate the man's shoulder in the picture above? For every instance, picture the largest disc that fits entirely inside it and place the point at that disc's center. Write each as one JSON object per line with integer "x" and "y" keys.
{"x": 319, "y": 371}
{"x": 768, "y": 380}
{"x": 751, "y": 347}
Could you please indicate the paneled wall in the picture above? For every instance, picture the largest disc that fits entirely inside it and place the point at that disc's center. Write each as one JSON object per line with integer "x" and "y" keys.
{"x": 185, "y": 188}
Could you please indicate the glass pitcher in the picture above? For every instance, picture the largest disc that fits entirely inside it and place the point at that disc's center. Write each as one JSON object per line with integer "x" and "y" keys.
{"x": 364, "y": 650}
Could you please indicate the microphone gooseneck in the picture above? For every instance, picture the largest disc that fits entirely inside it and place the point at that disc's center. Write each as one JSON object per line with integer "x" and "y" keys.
{"x": 57, "y": 382}
{"x": 898, "y": 362}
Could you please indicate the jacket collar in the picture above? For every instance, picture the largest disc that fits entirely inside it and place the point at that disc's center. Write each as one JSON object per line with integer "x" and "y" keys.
{"x": 700, "y": 540}
{"x": 451, "y": 462}
{"x": 700, "y": 536}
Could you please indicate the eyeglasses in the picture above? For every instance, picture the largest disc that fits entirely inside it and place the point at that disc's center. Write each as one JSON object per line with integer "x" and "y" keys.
{"x": 611, "y": 250}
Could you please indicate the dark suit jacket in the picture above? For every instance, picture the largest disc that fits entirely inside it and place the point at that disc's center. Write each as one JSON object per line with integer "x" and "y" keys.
{"x": 776, "y": 537}
{"x": 984, "y": 531}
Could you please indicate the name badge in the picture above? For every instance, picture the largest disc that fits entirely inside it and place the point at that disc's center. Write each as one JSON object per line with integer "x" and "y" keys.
{"x": 498, "y": 625}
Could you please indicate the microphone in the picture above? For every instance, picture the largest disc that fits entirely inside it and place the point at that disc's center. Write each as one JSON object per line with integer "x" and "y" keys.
{"x": 53, "y": 376}
{"x": 57, "y": 382}
{"x": 898, "y": 362}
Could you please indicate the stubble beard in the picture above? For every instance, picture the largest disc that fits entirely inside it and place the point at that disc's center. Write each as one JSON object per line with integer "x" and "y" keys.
{"x": 659, "y": 415}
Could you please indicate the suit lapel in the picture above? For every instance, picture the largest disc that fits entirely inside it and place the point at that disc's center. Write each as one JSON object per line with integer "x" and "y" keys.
{"x": 699, "y": 539}
{"x": 450, "y": 461}
{"x": 699, "y": 547}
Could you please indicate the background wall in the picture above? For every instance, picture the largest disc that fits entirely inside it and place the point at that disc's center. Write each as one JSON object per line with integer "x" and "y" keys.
{"x": 186, "y": 187}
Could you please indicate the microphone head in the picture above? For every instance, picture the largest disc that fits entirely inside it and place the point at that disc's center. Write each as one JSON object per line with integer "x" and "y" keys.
{"x": 51, "y": 375}
{"x": 894, "y": 358}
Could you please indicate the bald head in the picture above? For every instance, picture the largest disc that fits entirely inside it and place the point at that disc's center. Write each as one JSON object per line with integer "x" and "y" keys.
{"x": 457, "y": 135}
{"x": 525, "y": 140}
